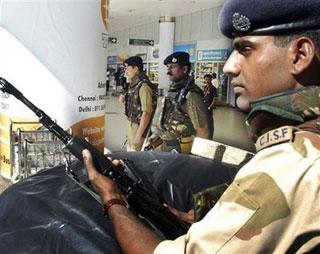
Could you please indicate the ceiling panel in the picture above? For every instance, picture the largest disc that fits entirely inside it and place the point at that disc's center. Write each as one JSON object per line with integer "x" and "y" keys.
{"x": 129, "y": 13}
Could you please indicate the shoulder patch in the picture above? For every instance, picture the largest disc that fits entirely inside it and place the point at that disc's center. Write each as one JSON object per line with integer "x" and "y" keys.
{"x": 276, "y": 136}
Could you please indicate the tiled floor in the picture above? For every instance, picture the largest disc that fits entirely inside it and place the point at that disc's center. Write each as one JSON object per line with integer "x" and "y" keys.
{"x": 115, "y": 125}
{"x": 3, "y": 184}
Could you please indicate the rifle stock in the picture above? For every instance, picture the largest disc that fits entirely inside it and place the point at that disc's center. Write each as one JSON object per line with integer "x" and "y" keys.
{"x": 154, "y": 144}
{"x": 142, "y": 201}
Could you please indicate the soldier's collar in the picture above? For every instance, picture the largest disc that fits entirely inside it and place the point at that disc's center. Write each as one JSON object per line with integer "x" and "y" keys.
{"x": 175, "y": 86}
{"x": 289, "y": 108}
{"x": 136, "y": 79}
{"x": 286, "y": 133}
{"x": 297, "y": 105}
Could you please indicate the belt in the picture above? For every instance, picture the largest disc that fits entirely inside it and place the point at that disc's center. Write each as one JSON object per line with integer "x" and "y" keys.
{"x": 172, "y": 142}
{"x": 182, "y": 140}
{"x": 133, "y": 120}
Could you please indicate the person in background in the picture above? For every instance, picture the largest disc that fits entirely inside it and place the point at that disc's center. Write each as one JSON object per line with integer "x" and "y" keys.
{"x": 181, "y": 115}
{"x": 215, "y": 81}
{"x": 210, "y": 100}
{"x": 139, "y": 101}
{"x": 107, "y": 80}
{"x": 273, "y": 205}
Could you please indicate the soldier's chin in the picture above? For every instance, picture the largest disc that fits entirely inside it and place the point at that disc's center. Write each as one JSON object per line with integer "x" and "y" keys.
{"x": 243, "y": 104}
{"x": 172, "y": 78}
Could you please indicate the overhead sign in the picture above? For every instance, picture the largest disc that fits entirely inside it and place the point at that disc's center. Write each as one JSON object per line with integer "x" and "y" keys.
{"x": 215, "y": 55}
{"x": 141, "y": 42}
{"x": 112, "y": 40}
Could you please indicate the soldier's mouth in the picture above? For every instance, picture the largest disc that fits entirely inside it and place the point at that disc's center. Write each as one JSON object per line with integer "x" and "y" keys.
{"x": 237, "y": 88}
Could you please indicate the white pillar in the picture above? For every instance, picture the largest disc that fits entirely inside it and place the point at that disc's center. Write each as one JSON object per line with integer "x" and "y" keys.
{"x": 166, "y": 44}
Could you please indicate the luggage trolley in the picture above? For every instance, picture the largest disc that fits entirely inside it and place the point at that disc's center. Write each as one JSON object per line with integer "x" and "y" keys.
{"x": 34, "y": 150}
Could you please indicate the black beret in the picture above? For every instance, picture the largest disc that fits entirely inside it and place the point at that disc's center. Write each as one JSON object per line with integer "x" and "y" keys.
{"x": 268, "y": 17}
{"x": 180, "y": 57}
{"x": 134, "y": 61}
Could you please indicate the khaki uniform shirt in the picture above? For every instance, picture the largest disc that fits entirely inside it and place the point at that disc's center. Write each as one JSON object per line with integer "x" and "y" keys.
{"x": 145, "y": 94}
{"x": 273, "y": 205}
{"x": 196, "y": 110}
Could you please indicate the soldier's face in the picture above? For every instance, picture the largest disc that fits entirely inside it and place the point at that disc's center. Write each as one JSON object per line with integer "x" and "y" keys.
{"x": 176, "y": 72}
{"x": 257, "y": 68}
{"x": 130, "y": 71}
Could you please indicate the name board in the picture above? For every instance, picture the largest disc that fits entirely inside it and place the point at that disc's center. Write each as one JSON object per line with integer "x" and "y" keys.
{"x": 215, "y": 55}
{"x": 141, "y": 42}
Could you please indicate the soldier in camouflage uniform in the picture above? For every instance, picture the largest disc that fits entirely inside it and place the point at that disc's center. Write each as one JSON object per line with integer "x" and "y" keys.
{"x": 140, "y": 101}
{"x": 181, "y": 115}
{"x": 273, "y": 204}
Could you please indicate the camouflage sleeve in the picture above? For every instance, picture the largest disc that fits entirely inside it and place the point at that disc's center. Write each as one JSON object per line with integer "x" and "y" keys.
{"x": 145, "y": 94}
{"x": 196, "y": 110}
{"x": 205, "y": 200}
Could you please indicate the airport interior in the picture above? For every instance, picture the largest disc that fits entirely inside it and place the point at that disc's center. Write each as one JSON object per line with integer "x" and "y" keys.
{"x": 144, "y": 83}
{"x": 149, "y": 29}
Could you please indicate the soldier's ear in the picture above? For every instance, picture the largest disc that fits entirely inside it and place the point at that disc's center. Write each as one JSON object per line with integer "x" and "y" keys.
{"x": 185, "y": 69}
{"x": 136, "y": 69}
{"x": 303, "y": 52}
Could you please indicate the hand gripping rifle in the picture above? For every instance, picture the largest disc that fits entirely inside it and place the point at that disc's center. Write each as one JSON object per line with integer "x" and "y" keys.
{"x": 142, "y": 198}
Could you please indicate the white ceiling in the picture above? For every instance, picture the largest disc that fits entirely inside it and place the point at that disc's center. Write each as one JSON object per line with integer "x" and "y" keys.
{"x": 129, "y": 13}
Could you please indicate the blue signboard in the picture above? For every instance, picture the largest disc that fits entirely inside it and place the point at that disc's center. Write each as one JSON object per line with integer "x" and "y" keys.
{"x": 111, "y": 60}
{"x": 189, "y": 48}
{"x": 214, "y": 55}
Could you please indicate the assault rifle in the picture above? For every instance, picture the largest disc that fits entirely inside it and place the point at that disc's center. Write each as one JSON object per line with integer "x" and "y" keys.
{"x": 142, "y": 198}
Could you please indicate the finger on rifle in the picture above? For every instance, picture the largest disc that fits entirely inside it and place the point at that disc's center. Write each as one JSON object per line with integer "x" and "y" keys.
{"x": 114, "y": 162}
{"x": 88, "y": 162}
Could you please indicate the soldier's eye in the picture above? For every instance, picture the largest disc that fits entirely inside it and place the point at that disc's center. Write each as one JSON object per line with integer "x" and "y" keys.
{"x": 243, "y": 47}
